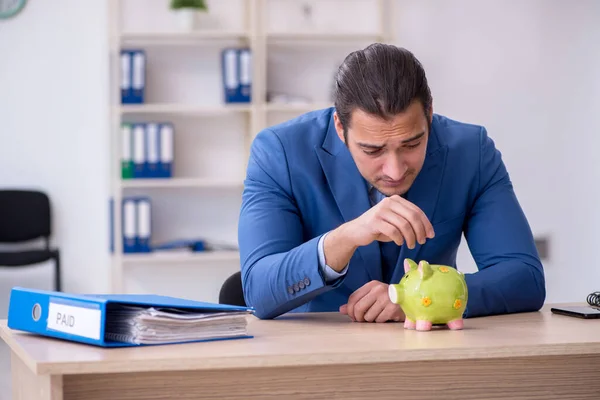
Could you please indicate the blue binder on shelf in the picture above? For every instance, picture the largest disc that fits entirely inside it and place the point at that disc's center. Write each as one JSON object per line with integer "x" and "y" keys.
{"x": 153, "y": 150}
{"x": 245, "y": 69}
{"x": 133, "y": 76}
{"x": 138, "y": 78}
{"x": 140, "y": 151}
{"x": 99, "y": 319}
{"x": 232, "y": 73}
{"x": 129, "y": 225}
{"x": 166, "y": 150}
{"x": 126, "y": 96}
{"x": 136, "y": 224}
{"x": 143, "y": 217}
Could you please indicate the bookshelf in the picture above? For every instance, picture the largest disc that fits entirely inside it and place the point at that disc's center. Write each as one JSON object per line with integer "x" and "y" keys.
{"x": 205, "y": 164}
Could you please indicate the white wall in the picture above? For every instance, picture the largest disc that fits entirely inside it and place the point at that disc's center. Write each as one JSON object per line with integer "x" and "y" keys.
{"x": 53, "y": 113}
{"x": 526, "y": 70}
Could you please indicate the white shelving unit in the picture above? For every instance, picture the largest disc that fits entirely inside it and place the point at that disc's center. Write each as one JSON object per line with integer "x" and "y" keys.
{"x": 254, "y": 33}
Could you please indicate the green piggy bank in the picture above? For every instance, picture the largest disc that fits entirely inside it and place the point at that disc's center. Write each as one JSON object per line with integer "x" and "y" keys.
{"x": 430, "y": 294}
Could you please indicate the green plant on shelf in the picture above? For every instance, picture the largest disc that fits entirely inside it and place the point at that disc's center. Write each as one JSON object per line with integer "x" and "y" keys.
{"x": 196, "y": 4}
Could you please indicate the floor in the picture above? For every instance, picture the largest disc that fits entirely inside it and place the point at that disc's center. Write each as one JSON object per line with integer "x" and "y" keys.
{"x": 38, "y": 277}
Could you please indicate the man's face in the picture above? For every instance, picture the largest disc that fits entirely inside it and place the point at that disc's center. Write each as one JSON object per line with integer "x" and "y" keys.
{"x": 388, "y": 154}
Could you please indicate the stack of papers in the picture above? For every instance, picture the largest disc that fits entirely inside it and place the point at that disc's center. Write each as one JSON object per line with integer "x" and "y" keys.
{"x": 155, "y": 325}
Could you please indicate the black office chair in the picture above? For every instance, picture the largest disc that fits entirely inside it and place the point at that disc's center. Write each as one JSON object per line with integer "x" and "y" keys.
{"x": 232, "y": 291}
{"x": 24, "y": 216}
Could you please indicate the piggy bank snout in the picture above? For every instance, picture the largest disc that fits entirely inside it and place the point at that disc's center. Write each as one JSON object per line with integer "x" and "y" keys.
{"x": 395, "y": 293}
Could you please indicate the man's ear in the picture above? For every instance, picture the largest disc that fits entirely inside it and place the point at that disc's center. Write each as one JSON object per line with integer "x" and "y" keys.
{"x": 338, "y": 127}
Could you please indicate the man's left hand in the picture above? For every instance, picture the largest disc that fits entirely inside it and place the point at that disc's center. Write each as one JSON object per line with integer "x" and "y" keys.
{"x": 371, "y": 303}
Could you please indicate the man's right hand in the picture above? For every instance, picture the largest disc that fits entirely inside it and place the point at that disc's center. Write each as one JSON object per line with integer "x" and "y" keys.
{"x": 392, "y": 219}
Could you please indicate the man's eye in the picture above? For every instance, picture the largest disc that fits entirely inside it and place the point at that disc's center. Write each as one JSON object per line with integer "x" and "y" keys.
{"x": 412, "y": 146}
{"x": 372, "y": 152}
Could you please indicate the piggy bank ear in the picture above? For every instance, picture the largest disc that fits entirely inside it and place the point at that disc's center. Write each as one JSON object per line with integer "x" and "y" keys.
{"x": 425, "y": 270}
{"x": 409, "y": 265}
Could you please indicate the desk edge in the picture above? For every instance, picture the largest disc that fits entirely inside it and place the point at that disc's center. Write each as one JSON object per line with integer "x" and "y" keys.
{"x": 291, "y": 360}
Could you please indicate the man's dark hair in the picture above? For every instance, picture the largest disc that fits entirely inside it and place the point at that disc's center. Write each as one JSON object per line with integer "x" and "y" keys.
{"x": 380, "y": 80}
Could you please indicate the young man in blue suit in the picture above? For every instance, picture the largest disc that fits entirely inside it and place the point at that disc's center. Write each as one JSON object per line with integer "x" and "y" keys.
{"x": 336, "y": 199}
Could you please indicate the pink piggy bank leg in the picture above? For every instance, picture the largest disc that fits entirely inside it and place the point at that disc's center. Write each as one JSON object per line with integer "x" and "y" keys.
{"x": 423, "y": 325}
{"x": 457, "y": 324}
{"x": 408, "y": 324}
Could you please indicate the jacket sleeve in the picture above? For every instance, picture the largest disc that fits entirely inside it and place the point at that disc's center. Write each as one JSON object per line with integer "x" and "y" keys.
{"x": 510, "y": 276}
{"x": 280, "y": 269}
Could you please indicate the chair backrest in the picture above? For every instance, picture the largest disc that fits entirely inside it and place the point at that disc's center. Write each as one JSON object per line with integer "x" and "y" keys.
{"x": 232, "y": 291}
{"x": 24, "y": 215}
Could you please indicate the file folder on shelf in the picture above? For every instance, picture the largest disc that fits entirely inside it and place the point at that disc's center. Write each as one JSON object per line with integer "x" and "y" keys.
{"x": 126, "y": 77}
{"x": 231, "y": 81}
{"x": 143, "y": 214}
{"x": 124, "y": 320}
{"x": 133, "y": 76}
{"x": 166, "y": 146}
{"x": 138, "y": 78}
{"x": 153, "y": 147}
{"x": 140, "y": 157}
{"x": 129, "y": 225}
{"x": 236, "y": 72}
{"x": 147, "y": 150}
{"x": 137, "y": 224}
{"x": 245, "y": 65}
{"x": 127, "y": 154}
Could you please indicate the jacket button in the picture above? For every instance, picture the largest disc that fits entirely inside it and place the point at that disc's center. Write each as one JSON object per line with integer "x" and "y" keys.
{"x": 296, "y": 287}
{"x": 306, "y": 281}
{"x": 290, "y": 290}
{"x": 301, "y": 284}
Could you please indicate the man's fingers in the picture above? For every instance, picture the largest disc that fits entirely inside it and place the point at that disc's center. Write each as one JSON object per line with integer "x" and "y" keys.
{"x": 390, "y": 231}
{"x": 409, "y": 220}
{"x": 344, "y": 309}
{"x": 415, "y": 216}
{"x": 357, "y": 296}
{"x": 390, "y": 312}
{"x": 376, "y": 309}
{"x": 419, "y": 213}
{"x": 401, "y": 224}
{"x": 363, "y": 305}
{"x": 422, "y": 217}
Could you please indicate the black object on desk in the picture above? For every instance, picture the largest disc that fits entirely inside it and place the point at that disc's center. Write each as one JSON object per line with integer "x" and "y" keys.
{"x": 591, "y": 311}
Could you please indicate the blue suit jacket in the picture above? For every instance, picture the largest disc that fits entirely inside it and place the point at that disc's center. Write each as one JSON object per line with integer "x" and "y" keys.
{"x": 302, "y": 182}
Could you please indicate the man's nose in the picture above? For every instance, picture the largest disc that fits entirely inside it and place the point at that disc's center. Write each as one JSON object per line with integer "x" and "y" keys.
{"x": 394, "y": 167}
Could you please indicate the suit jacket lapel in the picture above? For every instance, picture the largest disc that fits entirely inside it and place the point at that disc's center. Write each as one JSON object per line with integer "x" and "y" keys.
{"x": 424, "y": 193}
{"x": 350, "y": 191}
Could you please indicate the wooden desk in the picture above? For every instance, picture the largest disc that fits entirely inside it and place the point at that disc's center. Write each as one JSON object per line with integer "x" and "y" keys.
{"x": 314, "y": 356}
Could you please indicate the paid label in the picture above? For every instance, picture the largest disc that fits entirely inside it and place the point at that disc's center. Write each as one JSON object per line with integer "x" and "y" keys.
{"x": 80, "y": 321}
